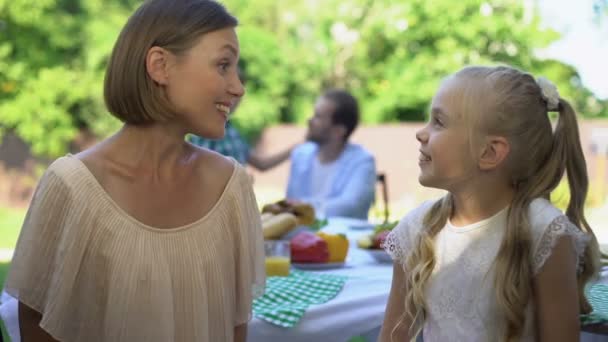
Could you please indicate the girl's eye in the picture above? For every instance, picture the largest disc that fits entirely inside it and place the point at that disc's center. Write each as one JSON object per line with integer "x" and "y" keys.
{"x": 437, "y": 122}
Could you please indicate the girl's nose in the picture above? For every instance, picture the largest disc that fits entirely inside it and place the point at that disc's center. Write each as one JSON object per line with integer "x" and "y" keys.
{"x": 422, "y": 136}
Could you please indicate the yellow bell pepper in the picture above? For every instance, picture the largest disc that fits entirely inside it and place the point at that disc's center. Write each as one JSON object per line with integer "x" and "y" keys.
{"x": 337, "y": 245}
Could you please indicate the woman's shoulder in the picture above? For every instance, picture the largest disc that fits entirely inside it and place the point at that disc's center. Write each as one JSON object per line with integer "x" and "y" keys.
{"x": 219, "y": 169}
{"x": 64, "y": 171}
{"x": 64, "y": 166}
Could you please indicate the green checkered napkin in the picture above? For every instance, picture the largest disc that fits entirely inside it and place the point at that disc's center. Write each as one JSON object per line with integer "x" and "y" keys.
{"x": 287, "y": 298}
{"x": 598, "y": 298}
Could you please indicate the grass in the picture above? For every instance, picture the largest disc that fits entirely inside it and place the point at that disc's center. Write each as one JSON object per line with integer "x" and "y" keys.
{"x": 3, "y": 272}
{"x": 10, "y": 225}
{"x": 4, "y": 334}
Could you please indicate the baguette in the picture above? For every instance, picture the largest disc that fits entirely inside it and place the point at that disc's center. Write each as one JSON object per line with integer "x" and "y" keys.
{"x": 305, "y": 213}
{"x": 276, "y": 226}
{"x": 266, "y": 216}
{"x": 273, "y": 208}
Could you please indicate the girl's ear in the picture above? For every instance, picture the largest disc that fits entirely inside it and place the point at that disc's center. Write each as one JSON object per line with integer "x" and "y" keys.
{"x": 496, "y": 150}
{"x": 157, "y": 60}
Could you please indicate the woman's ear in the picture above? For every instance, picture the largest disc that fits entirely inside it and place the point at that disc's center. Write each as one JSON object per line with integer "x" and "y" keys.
{"x": 495, "y": 152}
{"x": 157, "y": 60}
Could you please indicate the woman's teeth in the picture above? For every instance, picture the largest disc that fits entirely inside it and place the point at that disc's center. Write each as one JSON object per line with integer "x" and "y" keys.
{"x": 424, "y": 158}
{"x": 223, "y": 108}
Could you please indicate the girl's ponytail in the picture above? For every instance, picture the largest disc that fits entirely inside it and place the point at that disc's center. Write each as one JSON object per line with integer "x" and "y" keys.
{"x": 567, "y": 147}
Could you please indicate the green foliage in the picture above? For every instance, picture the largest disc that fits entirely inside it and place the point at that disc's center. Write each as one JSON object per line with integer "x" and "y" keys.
{"x": 4, "y": 266}
{"x": 391, "y": 54}
{"x": 4, "y": 331}
{"x": 561, "y": 196}
{"x": 318, "y": 224}
{"x": 11, "y": 221}
{"x": 385, "y": 226}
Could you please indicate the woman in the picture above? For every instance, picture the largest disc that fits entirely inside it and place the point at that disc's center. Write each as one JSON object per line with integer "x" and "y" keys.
{"x": 145, "y": 237}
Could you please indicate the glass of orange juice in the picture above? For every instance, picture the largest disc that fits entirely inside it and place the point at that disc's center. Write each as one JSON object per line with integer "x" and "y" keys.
{"x": 278, "y": 258}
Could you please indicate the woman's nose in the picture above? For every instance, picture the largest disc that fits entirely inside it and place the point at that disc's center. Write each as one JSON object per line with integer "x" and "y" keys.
{"x": 236, "y": 87}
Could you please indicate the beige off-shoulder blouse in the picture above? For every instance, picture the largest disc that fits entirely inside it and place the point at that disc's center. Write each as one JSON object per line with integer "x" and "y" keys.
{"x": 98, "y": 274}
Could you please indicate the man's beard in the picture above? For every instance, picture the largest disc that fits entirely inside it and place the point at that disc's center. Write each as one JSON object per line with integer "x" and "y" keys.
{"x": 318, "y": 139}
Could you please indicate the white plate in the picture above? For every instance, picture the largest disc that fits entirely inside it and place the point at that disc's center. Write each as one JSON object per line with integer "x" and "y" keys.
{"x": 380, "y": 255}
{"x": 318, "y": 265}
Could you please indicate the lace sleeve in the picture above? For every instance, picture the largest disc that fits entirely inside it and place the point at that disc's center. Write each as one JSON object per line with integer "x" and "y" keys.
{"x": 396, "y": 243}
{"x": 399, "y": 241}
{"x": 560, "y": 226}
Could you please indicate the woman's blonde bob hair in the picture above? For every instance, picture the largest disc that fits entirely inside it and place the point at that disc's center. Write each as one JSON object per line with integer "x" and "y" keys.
{"x": 175, "y": 25}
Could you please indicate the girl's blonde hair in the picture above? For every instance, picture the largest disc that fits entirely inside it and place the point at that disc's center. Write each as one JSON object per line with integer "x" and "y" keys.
{"x": 507, "y": 102}
{"x": 129, "y": 92}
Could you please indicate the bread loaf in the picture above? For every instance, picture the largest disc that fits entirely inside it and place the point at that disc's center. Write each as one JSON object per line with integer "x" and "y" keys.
{"x": 276, "y": 226}
{"x": 266, "y": 216}
{"x": 273, "y": 208}
{"x": 304, "y": 212}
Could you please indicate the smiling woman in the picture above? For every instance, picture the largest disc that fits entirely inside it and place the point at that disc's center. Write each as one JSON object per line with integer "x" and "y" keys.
{"x": 145, "y": 227}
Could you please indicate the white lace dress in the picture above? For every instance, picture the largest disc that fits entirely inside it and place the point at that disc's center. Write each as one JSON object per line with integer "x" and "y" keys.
{"x": 460, "y": 297}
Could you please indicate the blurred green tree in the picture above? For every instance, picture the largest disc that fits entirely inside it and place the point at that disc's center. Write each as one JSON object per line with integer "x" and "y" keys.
{"x": 391, "y": 54}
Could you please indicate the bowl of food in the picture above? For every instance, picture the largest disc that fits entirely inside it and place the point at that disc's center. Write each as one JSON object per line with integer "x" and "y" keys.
{"x": 374, "y": 242}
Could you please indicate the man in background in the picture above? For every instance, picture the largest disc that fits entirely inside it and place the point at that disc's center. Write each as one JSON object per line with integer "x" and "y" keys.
{"x": 335, "y": 176}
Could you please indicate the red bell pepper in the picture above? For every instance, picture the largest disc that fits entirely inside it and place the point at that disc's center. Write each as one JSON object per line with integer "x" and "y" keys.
{"x": 308, "y": 247}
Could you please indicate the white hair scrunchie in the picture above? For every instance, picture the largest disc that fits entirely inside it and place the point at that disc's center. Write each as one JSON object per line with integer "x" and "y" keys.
{"x": 549, "y": 93}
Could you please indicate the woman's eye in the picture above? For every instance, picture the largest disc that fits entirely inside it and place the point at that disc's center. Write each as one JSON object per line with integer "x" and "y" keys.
{"x": 437, "y": 122}
{"x": 224, "y": 66}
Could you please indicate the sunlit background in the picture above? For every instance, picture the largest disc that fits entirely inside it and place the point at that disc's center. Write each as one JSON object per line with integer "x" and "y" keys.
{"x": 391, "y": 54}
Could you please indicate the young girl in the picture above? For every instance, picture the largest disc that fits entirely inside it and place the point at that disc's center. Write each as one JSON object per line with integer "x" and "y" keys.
{"x": 494, "y": 260}
{"x": 145, "y": 237}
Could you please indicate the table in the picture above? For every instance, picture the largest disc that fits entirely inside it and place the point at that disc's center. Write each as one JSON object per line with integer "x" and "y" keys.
{"x": 357, "y": 310}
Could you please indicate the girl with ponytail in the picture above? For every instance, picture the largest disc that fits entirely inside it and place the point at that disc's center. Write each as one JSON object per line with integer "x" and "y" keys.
{"x": 494, "y": 260}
